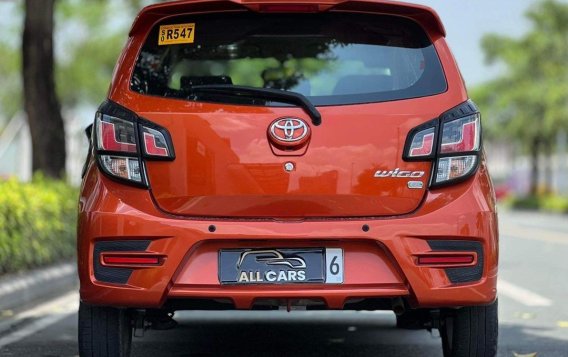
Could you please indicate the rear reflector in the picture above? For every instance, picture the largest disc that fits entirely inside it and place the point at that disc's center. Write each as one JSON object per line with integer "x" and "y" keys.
{"x": 446, "y": 259}
{"x": 130, "y": 260}
{"x": 288, "y": 8}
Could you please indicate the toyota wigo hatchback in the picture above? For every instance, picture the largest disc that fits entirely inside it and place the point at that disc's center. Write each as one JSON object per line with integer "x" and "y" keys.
{"x": 316, "y": 154}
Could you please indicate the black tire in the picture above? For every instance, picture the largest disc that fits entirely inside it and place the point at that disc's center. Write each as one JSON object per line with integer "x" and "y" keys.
{"x": 104, "y": 331}
{"x": 470, "y": 331}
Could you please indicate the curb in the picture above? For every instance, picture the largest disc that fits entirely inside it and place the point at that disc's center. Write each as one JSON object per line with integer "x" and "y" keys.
{"x": 16, "y": 290}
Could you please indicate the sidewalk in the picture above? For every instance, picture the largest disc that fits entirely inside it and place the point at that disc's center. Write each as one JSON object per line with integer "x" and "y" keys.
{"x": 17, "y": 290}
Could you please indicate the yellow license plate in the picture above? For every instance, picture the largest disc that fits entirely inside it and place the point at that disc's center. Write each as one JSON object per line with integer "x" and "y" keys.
{"x": 176, "y": 34}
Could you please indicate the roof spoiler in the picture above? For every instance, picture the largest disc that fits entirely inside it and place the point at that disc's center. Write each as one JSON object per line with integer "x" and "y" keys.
{"x": 423, "y": 15}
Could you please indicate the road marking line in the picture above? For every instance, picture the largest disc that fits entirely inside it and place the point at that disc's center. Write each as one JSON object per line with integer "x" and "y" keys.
{"x": 541, "y": 235}
{"x": 524, "y": 296}
{"x": 63, "y": 306}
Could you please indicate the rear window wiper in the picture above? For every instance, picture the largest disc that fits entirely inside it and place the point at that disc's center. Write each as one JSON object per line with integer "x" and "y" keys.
{"x": 276, "y": 95}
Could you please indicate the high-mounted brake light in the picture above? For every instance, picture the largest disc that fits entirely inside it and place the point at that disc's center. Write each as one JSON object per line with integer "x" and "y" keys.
{"x": 288, "y": 8}
{"x": 123, "y": 143}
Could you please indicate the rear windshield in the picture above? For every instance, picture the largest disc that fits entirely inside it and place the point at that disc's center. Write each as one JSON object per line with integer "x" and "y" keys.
{"x": 331, "y": 58}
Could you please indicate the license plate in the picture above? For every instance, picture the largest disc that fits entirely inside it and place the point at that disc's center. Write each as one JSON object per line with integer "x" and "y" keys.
{"x": 281, "y": 266}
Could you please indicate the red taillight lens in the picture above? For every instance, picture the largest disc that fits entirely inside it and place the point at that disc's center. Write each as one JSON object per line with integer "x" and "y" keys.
{"x": 115, "y": 134}
{"x": 461, "y": 135}
{"x": 155, "y": 143}
{"x": 422, "y": 144}
{"x": 130, "y": 259}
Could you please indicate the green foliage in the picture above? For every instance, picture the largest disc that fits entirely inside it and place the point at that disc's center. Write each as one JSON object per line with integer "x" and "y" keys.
{"x": 548, "y": 203}
{"x": 527, "y": 105}
{"x": 557, "y": 204}
{"x": 91, "y": 38}
{"x": 37, "y": 223}
{"x": 529, "y": 100}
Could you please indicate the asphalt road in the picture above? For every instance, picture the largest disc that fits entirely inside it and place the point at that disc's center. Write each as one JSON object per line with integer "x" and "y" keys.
{"x": 533, "y": 297}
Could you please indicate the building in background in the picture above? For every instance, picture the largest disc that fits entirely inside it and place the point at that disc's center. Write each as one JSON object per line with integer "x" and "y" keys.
{"x": 16, "y": 148}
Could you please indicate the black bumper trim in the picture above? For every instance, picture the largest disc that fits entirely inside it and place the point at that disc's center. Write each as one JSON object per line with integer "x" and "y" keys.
{"x": 461, "y": 274}
{"x": 115, "y": 275}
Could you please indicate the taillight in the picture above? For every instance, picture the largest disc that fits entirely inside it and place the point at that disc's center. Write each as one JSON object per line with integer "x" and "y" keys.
{"x": 460, "y": 135}
{"x": 155, "y": 142}
{"x": 122, "y": 143}
{"x": 422, "y": 144}
{"x": 453, "y": 141}
{"x": 114, "y": 134}
{"x": 127, "y": 168}
{"x": 459, "y": 149}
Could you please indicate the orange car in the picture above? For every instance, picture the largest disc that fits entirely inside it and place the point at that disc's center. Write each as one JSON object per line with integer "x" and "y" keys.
{"x": 315, "y": 154}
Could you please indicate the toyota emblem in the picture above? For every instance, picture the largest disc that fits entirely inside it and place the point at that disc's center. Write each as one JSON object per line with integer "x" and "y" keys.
{"x": 289, "y": 132}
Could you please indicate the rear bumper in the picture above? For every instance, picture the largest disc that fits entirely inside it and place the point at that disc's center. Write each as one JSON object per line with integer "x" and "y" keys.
{"x": 379, "y": 263}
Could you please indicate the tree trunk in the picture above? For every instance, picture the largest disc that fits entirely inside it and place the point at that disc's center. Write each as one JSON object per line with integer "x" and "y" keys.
{"x": 535, "y": 150}
{"x": 40, "y": 100}
{"x": 548, "y": 169}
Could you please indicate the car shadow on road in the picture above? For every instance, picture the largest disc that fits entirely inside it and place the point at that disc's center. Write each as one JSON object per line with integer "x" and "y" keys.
{"x": 333, "y": 334}
{"x": 327, "y": 335}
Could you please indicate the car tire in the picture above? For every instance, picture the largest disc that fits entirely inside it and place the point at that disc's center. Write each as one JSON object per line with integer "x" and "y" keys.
{"x": 470, "y": 331}
{"x": 104, "y": 331}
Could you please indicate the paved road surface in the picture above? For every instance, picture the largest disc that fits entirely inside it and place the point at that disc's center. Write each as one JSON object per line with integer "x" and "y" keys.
{"x": 533, "y": 315}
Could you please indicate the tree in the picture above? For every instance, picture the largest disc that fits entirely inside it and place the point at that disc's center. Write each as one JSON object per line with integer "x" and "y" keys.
{"x": 84, "y": 72}
{"x": 40, "y": 99}
{"x": 528, "y": 104}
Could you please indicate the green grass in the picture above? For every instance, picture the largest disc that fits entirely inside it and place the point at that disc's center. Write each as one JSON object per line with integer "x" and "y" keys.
{"x": 546, "y": 203}
{"x": 37, "y": 223}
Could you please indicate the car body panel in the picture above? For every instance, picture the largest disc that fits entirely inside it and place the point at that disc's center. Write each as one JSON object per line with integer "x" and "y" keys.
{"x": 461, "y": 212}
{"x": 226, "y": 167}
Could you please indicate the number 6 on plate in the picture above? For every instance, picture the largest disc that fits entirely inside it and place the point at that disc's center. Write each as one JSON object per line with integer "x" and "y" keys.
{"x": 333, "y": 266}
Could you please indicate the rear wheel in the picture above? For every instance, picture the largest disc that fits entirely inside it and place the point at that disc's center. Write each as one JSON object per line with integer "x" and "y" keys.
{"x": 470, "y": 331}
{"x": 104, "y": 331}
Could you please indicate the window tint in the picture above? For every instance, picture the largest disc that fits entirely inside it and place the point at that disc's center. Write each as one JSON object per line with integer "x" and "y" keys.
{"x": 331, "y": 58}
